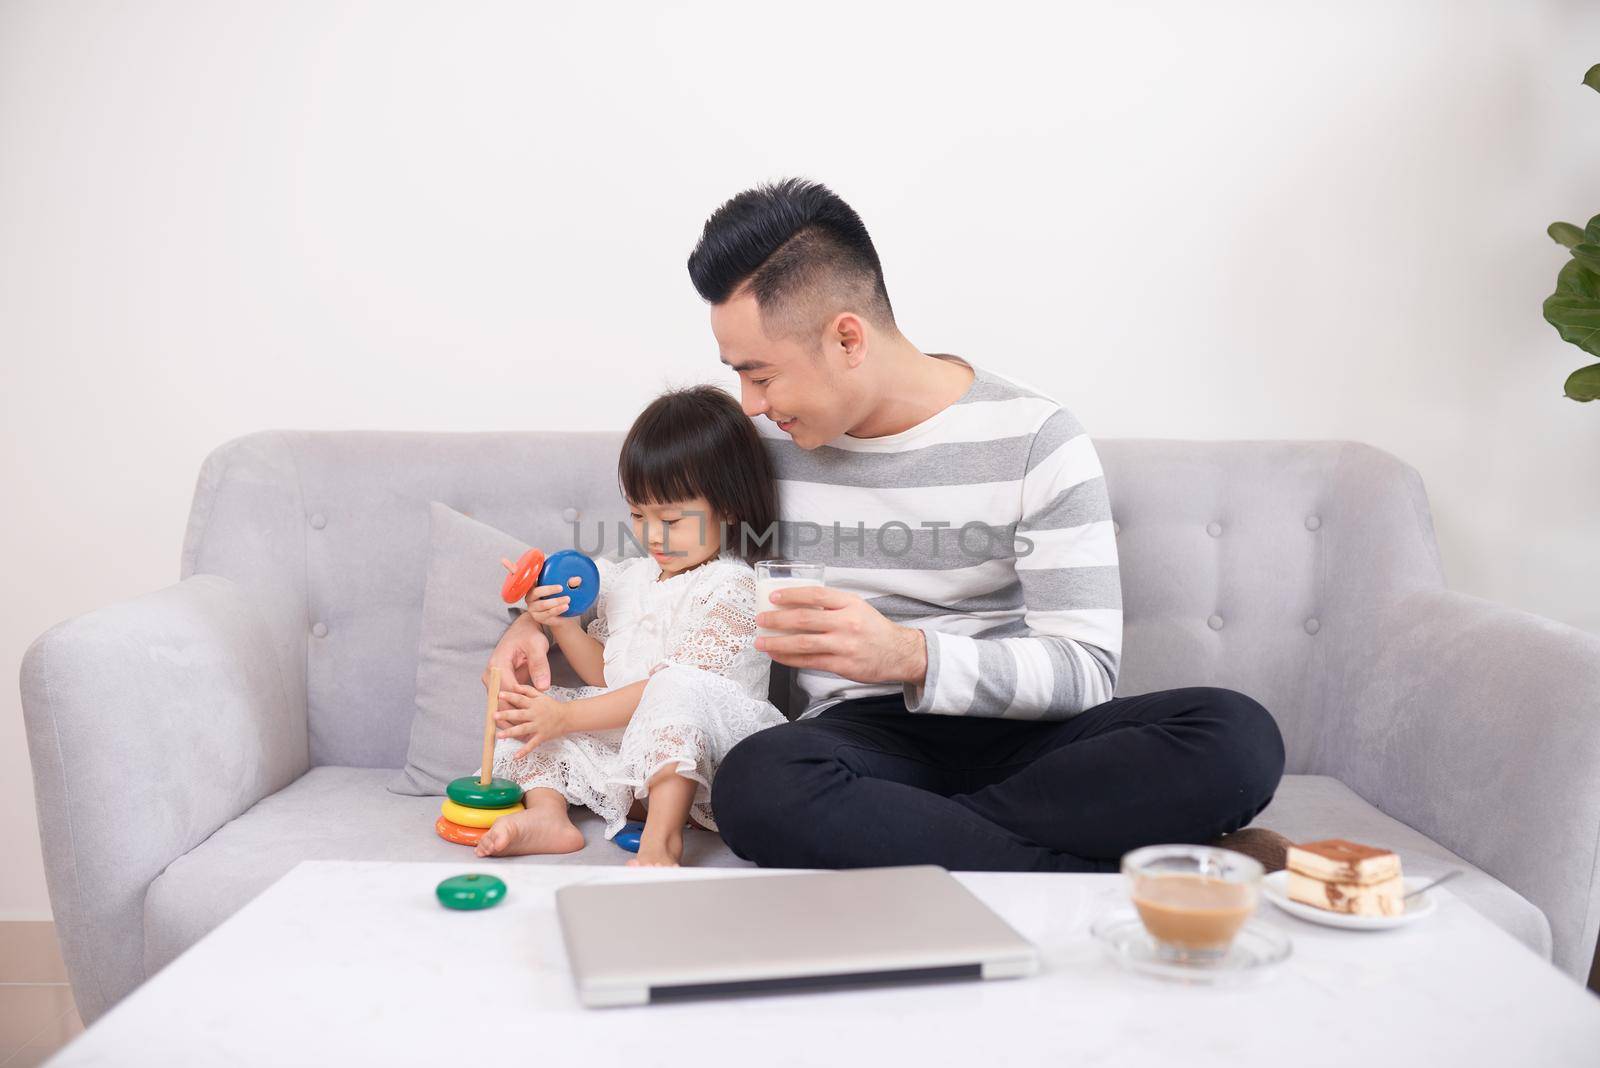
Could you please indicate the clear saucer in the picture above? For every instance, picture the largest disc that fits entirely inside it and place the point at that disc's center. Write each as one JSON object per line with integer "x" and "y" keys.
{"x": 1255, "y": 950}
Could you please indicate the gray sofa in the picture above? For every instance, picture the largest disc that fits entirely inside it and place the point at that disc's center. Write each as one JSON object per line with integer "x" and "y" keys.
{"x": 192, "y": 745}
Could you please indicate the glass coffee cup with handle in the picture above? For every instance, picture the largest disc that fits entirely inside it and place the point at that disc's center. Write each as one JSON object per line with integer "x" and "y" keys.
{"x": 1192, "y": 899}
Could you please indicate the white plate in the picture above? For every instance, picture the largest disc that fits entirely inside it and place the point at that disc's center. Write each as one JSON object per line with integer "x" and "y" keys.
{"x": 1275, "y": 888}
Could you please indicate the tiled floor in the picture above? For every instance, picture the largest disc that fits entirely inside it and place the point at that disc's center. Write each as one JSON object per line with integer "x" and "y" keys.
{"x": 37, "y": 1016}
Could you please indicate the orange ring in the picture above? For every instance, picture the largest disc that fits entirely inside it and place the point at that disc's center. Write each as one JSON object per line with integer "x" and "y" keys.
{"x": 454, "y": 832}
{"x": 524, "y": 576}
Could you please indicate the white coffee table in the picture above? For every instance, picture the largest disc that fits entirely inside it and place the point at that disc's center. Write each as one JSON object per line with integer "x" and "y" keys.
{"x": 356, "y": 963}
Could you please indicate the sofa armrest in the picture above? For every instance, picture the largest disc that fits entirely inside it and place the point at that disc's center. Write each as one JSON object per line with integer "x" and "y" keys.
{"x": 1479, "y": 726}
{"x": 150, "y": 724}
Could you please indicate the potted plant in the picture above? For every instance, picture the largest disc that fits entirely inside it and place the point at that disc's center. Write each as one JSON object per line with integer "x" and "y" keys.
{"x": 1574, "y": 308}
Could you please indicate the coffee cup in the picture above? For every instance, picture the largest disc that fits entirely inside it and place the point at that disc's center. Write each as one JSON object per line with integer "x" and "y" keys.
{"x": 1192, "y": 899}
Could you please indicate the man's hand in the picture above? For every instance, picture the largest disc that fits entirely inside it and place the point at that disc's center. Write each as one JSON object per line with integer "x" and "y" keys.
{"x": 840, "y": 632}
{"x": 522, "y": 656}
{"x": 532, "y": 715}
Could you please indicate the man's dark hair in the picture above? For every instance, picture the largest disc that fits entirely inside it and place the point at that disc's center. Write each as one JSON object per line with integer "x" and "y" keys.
{"x": 697, "y": 442}
{"x": 803, "y": 252}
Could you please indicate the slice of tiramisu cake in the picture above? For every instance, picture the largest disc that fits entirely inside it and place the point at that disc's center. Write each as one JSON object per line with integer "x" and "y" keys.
{"x": 1343, "y": 876}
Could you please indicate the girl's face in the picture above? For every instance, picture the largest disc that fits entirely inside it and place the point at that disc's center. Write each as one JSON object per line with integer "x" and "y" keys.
{"x": 679, "y": 535}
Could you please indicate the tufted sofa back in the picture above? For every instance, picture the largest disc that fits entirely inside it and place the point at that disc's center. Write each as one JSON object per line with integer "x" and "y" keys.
{"x": 1244, "y": 564}
{"x": 1254, "y": 565}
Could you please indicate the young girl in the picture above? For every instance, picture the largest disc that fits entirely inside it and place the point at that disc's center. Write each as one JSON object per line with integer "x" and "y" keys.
{"x": 674, "y": 678}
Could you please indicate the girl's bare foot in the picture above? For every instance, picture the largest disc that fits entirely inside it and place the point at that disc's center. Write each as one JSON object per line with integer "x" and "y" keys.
{"x": 659, "y": 851}
{"x": 661, "y": 844}
{"x": 543, "y": 827}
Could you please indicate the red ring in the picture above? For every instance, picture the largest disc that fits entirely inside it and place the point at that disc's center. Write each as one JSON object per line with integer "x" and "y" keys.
{"x": 524, "y": 574}
{"x": 454, "y": 832}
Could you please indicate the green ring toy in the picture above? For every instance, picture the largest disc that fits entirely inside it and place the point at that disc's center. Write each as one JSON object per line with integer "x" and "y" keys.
{"x": 473, "y": 794}
{"x": 471, "y": 891}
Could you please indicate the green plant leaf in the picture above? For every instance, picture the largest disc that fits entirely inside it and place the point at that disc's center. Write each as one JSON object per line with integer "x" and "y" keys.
{"x": 1577, "y": 279}
{"x": 1592, "y": 79}
{"x": 1584, "y": 383}
{"x": 1591, "y": 231}
{"x": 1574, "y": 308}
{"x": 1588, "y": 255}
{"x": 1564, "y": 233}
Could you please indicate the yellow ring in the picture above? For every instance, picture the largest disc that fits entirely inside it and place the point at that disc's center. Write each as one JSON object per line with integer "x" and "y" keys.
{"x": 475, "y": 817}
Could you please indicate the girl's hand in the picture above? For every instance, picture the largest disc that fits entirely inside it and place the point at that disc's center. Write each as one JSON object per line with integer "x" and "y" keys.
{"x": 546, "y": 603}
{"x": 532, "y": 715}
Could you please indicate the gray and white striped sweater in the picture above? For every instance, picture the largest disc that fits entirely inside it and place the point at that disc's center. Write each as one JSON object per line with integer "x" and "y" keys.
{"x": 987, "y": 526}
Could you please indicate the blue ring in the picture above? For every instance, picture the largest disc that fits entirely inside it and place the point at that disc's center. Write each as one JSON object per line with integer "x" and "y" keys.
{"x": 628, "y": 837}
{"x": 567, "y": 564}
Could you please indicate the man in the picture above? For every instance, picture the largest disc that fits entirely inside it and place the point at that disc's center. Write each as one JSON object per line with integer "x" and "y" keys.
{"x": 959, "y": 666}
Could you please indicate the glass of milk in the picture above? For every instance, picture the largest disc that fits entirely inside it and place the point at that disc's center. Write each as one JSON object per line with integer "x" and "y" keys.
{"x": 777, "y": 575}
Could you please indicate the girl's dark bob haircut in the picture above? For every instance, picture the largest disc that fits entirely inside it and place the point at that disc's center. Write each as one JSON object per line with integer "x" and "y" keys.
{"x": 697, "y": 442}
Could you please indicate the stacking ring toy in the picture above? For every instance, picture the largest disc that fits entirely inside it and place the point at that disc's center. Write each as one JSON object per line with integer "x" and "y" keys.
{"x": 475, "y": 817}
{"x": 454, "y": 832}
{"x": 473, "y": 794}
{"x": 524, "y": 576}
{"x": 473, "y": 891}
{"x": 568, "y": 568}
{"x": 473, "y": 804}
{"x": 575, "y": 573}
{"x": 628, "y": 837}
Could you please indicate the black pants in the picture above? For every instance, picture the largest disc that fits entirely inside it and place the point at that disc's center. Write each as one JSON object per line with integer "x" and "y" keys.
{"x": 866, "y": 783}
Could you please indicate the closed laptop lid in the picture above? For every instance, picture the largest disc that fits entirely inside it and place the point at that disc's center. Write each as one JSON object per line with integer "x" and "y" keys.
{"x": 633, "y": 942}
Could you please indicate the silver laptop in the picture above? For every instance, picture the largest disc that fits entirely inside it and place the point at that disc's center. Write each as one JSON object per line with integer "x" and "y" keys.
{"x": 633, "y": 943}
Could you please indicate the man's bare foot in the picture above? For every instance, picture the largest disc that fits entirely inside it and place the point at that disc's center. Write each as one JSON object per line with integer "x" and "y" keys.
{"x": 665, "y": 851}
{"x": 544, "y": 829}
{"x": 1262, "y": 843}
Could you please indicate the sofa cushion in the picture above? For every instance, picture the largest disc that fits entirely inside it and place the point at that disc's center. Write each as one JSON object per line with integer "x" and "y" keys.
{"x": 462, "y": 619}
{"x": 336, "y": 813}
{"x": 1312, "y": 807}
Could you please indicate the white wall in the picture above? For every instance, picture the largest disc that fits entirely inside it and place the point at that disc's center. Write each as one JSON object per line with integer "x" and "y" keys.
{"x": 1219, "y": 220}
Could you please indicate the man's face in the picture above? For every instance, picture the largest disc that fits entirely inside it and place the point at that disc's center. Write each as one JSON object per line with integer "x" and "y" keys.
{"x": 795, "y": 382}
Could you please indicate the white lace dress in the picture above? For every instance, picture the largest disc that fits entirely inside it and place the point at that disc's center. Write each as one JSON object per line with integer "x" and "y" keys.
{"x": 693, "y": 636}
